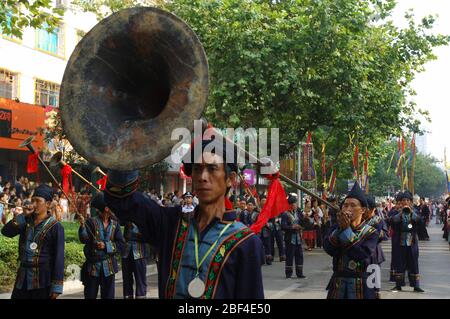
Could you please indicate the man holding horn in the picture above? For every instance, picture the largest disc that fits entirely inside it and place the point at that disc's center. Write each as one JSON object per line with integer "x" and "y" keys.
{"x": 204, "y": 254}
{"x": 41, "y": 249}
{"x": 351, "y": 242}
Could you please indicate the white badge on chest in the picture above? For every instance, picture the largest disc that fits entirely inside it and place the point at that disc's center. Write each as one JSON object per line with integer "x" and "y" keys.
{"x": 196, "y": 288}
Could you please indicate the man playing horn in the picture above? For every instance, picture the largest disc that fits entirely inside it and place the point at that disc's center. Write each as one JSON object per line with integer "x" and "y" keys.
{"x": 207, "y": 254}
{"x": 351, "y": 242}
{"x": 41, "y": 249}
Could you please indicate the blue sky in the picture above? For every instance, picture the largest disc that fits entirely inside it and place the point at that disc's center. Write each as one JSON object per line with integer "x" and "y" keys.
{"x": 433, "y": 86}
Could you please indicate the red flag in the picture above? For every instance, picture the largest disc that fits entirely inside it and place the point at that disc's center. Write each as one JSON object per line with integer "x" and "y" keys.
{"x": 366, "y": 163}
{"x": 403, "y": 145}
{"x": 276, "y": 203}
{"x": 182, "y": 172}
{"x": 32, "y": 164}
{"x": 66, "y": 173}
{"x": 308, "y": 140}
{"x": 102, "y": 182}
{"x": 228, "y": 203}
{"x": 324, "y": 168}
{"x": 324, "y": 173}
{"x": 355, "y": 160}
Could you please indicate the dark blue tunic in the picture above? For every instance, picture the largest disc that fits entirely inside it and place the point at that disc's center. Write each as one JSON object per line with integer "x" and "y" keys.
{"x": 380, "y": 225}
{"x": 43, "y": 267}
{"x": 293, "y": 242}
{"x": 101, "y": 264}
{"x": 350, "y": 249}
{"x": 240, "y": 276}
{"x": 245, "y": 217}
{"x": 104, "y": 260}
{"x": 405, "y": 247}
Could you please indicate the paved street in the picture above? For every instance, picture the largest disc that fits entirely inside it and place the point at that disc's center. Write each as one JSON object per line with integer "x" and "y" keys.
{"x": 433, "y": 263}
{"x": 434, "y": 260}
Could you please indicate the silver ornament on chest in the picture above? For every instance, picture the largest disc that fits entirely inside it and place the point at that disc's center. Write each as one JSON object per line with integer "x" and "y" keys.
{"x": 196, "y": 288}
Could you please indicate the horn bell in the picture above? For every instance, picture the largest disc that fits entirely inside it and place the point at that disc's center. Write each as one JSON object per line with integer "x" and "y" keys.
{"x": 56, "y": 160}
{"x": 134, "y": 78}
{"x": 27, "y": 143}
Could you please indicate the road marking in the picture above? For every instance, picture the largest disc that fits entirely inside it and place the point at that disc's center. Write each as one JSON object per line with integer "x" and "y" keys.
{"x": 285, "y": 291}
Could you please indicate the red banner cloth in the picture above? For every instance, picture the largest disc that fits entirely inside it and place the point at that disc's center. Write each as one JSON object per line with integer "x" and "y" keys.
{"x": 356, "y": 160}
{"x": 366, "y": 163}
{"x": 276, "y": 203}
{"x": 403, "y": 145}
{"x": 182, "y": 172}
{"x": 33, "y": 163}
{"x": 333, "y": 181}
{"x": 228, "y": 204}
{"x": 66, "y": 173}
{"x": 102, "y": 182}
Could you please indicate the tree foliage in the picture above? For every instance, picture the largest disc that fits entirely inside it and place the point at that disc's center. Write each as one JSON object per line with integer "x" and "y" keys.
{"x": 103, "y": 8}
{"x": 15, "y": 16}
{"x": 429, "y": 179}
{"x": 338, "y": 68}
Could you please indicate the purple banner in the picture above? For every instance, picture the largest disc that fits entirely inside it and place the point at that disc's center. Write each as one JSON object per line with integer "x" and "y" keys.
{"x": 307, "y": 163}
{"x": 250, "y": 176}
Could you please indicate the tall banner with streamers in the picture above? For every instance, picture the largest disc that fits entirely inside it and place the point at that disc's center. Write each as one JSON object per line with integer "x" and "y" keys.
{"x": 307, "y": 157}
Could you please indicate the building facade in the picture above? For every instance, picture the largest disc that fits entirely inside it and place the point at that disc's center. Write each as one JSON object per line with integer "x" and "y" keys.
{"x": 31, "y": 70}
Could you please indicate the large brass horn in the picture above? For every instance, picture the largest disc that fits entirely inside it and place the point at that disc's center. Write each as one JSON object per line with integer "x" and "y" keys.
{"x": 134, "y": 78}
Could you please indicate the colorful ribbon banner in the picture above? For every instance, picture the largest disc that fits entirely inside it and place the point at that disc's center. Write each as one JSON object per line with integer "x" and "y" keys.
{"x": 307, "y": 163}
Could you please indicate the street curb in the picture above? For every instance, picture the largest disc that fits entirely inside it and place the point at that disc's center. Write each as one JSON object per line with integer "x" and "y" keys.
{"x": 76, "y": 286}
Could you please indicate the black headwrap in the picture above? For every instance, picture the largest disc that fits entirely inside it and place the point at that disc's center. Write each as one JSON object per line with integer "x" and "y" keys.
{"x": 231, "y": 166}
{"x": 44, "y": 191}
{"x": 357, "y": 193}
{"x": 406, "y": 195}
{"x": 371, "y": 202}
{"x": 292, "y": 200}
{"x": 99, "y": 202}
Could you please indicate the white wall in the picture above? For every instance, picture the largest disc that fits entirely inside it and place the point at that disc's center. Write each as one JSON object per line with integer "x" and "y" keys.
{"x": 22, "y": 57}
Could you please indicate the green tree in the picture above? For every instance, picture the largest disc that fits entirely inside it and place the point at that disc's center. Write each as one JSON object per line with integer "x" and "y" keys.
{"x": 103, "y": 8}
{"x": 15, "y": 16}
{"x": 339, "y": 68}
{"x": 429, "y": 179}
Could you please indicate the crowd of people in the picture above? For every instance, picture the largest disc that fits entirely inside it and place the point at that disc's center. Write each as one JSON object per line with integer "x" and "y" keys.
{"x": 15, "y": 196}
{"x": 18, "y": 194}
{"x": 312, "y": 225}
